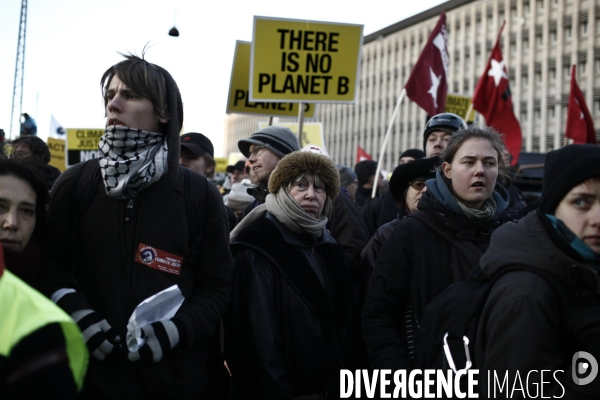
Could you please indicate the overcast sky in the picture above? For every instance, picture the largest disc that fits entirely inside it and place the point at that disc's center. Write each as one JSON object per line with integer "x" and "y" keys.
{"x": 70, "y": 43}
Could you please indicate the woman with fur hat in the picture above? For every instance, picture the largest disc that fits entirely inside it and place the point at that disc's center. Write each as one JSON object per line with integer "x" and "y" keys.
{"x": 287, "y": 330}
{"x": 543, "y": 315}
{"x": 435, "y": 246}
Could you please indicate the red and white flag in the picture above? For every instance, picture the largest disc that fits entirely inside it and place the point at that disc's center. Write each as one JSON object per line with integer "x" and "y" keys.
{"x": 580, "y": 125}
{"x": 362, "y": 155}
{"x": 493, "y": 100}
{"x": 428, "y": 82}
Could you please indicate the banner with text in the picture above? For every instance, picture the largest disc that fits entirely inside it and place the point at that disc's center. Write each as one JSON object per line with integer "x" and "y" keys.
{"x": 459, "y": 105}
{"x": 239, "y": 101}
{"x": 304, "y": 61}
{"x": 57, "y": 153}
{"x": 82, "y": 144}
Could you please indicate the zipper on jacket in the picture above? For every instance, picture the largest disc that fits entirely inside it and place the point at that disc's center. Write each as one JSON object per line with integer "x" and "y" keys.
{"x": 129, "y": 210}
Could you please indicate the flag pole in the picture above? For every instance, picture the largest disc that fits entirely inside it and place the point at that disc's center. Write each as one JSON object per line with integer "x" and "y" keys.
{"x": 300, "y": 122}
{"x": 469, "y": 113}
{"x": 385, "y": 140}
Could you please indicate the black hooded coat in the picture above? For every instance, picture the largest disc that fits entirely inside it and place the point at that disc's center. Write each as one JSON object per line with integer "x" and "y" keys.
{"x": 526, "y": 325}
{"x": 415, "y": 264}
{"x": 94, "y": 252}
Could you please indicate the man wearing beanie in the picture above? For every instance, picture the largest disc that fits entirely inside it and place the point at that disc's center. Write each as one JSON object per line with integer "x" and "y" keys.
{"x": 410, "y": 155}
{"x": 545, "y": 315}
{"x": 264, "y": 149}
{"x": 365, "y": 173}
{"x": 128, "y": 225}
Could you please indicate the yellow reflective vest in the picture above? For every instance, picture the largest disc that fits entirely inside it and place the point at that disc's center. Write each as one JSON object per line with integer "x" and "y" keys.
{"x": 23, "y": 310}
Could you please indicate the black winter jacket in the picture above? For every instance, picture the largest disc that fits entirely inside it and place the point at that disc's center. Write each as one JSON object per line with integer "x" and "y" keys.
{"x": 415, "y": 265}
{"x": 525, "y": 325}
{"x": 286, "y": 332}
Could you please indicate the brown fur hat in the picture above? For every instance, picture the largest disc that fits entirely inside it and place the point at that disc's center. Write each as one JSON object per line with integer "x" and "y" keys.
{"x": 298, "y": 162}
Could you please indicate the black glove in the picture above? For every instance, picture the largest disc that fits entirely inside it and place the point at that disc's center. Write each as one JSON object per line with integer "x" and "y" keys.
{"x": 161, "y": 337}
{"x": 100, "y": 337}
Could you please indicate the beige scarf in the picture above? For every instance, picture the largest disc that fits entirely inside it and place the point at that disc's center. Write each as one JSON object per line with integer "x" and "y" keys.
{"x": 485, "y": 213}
{"x": 287, "y": 211}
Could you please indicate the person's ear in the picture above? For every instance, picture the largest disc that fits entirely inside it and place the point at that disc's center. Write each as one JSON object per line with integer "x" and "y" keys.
{"x": 163, "y": 120}
{"x": 447, "y": 168}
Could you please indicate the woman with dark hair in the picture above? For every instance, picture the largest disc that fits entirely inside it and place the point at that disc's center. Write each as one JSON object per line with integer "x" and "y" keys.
{"x": 407, "y": 186}
{"x": 544, "y": 315}
{"x": 42, "y": 352}
{"x": 287, "y": 329}
{"x": 23, "y": 198}
{"x": 435, "y": 246}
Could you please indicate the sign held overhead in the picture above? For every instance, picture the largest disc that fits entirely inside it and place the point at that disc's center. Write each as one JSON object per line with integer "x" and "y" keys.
{"x": 239, "y": 99}
{"x": 304, "y": 61}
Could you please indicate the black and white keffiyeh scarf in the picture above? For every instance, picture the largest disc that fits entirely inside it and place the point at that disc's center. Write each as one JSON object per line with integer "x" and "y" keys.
{"x": 130, "y": 160}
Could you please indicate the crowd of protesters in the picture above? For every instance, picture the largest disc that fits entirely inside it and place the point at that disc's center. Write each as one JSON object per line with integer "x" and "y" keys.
{"x": 292, "y": 274}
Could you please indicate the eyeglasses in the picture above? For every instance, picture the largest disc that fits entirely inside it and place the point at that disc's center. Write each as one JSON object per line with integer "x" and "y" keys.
{"x": 257, "y": 150}
{"x": 417, "y": 185}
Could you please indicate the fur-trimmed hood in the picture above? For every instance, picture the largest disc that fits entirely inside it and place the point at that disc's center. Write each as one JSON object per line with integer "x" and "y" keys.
{"x": 298, "y": 162}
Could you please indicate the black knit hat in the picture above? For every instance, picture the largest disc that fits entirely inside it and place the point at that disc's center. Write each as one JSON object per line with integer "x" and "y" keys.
{"x": 364, "y": 170}
{"x": 566, "y": 168}
{"x": 279, "y": 140}
{"x": 404, "y": 174}
{"x": 414, "y": 153}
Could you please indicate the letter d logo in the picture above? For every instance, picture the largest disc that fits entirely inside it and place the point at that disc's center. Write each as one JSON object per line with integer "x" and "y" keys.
{"x": 583, "y": 367}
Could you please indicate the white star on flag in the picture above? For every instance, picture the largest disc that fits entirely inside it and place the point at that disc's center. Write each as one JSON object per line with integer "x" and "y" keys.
{"x": 497, "y": 71}
{"x": 435, "y": 82}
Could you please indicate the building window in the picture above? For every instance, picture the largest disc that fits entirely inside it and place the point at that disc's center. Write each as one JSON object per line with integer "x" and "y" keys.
{"x": 583, "y": 28}
{"x": 525, "y": 81}
{"x": 539, "y": 41}
{"x": 553, "y": 37}
{"x": 537, "y": 114}
{"x": 597, "y": 106}
{"x": 552, "y": 74}
{"x": 513, "y": 14}
{"x": 538, "y": 78}
{"x": 523, "y": 116}
{"x": 526, "y": 46}
{"x": 554, "y": 3}
{"x": 478, "y": 25}
{"x": 513, "y": 49}
{"x": 597, "y": 65}
{"x": 551, "y": 113}
{"x": 490, "y": 23}
{"x": 526, "y": 9}
{"x": 568, "y": 33}
{"x": 540, "y": 5}
{"x": 582, "y": 67}
{"x": 567, "y": 72}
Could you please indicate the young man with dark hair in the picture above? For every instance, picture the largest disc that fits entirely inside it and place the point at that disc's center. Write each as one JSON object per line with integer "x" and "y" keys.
{"x": 197, "y": 154}
{"x": 107, "y": 213}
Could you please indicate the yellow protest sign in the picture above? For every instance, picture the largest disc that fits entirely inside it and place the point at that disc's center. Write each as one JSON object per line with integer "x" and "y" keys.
{"x": 312, "y": 132}
{"x": 235, "y": 157}
{"x": 221, "y": 164}
{"x": 304, "y": 61}
{"x": 57, "y": 153}
{"x": 82, "y": 144}
{"x": 459, "y": 105}
{"x": 239, "y": 101}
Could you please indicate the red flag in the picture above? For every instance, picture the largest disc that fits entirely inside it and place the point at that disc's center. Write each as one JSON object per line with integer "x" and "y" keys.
{"x": 362, "y": 155}
{"x": 428, "y": 82}
{"x": 493, "y": 100}
{"x": 580, "y": 126}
